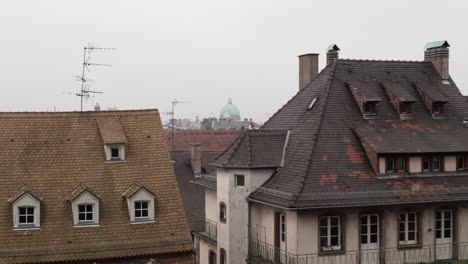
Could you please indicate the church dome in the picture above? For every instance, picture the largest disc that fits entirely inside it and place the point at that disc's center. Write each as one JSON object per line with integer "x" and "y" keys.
{"x": 229, "y": 111}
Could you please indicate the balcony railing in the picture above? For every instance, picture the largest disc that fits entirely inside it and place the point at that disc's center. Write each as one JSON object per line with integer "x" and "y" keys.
{"x": 205, "y": 227}
{"x": 455, "y": 253}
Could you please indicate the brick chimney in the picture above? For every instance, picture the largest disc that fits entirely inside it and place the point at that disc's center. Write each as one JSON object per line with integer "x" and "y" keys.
{"x": 438, "y": 53}
{"x": 332, "y": 53}
{"x": 308, "y": 68}
{"x": 195, "y": 159}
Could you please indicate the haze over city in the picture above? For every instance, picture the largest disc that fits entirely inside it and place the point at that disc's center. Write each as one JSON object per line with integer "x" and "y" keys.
{"x": 205, "y": 51}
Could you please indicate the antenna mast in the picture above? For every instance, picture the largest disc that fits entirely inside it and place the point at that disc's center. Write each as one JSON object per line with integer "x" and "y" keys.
{"x": 172, "y": 114}
{"x": 85, "y": 89}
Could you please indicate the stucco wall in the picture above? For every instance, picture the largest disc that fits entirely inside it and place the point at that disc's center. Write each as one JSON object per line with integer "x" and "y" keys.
{"x": 450, "y": 163}
{"x": 211, "y": 205}
{"x": 415, "y": 164}
{"x": 204, "y": 251}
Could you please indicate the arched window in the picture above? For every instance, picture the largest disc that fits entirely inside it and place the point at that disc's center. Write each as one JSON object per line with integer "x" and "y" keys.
{"x": 222, "y": 256}
{"x": 222, "y": 212}
{"x": 212, "y": 257}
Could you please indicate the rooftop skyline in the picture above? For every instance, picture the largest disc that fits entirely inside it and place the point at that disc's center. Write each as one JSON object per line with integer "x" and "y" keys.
{"x": 204, "y": 52}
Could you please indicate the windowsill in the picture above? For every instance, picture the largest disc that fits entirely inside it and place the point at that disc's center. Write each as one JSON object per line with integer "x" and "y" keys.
{"x": 26, "y": 228}
{"x": 439, "y": 116}
{"x": 84, "y": 225}
{"x": 406, "y": 116}
{"x": 141, "y": 222}
{"x": 369, "y": 116}
{"x": 115, "y": 161}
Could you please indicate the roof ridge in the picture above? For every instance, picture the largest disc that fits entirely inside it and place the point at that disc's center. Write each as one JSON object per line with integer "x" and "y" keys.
{"x": 313, "y": 148}
{"x": 377, "y": 60}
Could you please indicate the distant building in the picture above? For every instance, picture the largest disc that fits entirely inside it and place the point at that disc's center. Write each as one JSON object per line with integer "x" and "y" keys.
{"x": 89, "y": 187}
{"x": 229, "y": 119}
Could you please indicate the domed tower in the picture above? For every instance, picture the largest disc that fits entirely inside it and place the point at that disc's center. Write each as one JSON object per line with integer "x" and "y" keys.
{"x": 229, "y": 112}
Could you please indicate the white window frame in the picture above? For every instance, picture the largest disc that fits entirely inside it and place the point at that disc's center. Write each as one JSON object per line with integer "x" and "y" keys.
{"x": 108, "y": 152}
{"x": 86, "y": 198}
{"x": 26, "y": 215}
{"x": 406, "y": 230}
{"x": 141, "y": 210}
{"x": 85, "y": 213}
{"x": 329, "y": 227}
{"x": 236, "y": 184}
{"x": 139, "y": 196}
{"x": 27, "y": 200}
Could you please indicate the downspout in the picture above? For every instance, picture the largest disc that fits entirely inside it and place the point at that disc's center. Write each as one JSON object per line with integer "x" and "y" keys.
{"x": 249, "y": 235}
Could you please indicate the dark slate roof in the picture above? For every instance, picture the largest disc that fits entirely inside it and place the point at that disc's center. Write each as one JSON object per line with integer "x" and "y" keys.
{"x": 255, "y": 149}
{"x": 325, "y": 163}
{"x": 436, "y": 94}
{"x": 206, "y": 180}
{"x": 398, "y": 90}
{"x": 193, "y": 196}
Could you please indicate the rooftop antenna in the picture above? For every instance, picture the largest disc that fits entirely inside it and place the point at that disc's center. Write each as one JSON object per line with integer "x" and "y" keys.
{"x": 85, "y": 90}
{"x": 172, "y": 114}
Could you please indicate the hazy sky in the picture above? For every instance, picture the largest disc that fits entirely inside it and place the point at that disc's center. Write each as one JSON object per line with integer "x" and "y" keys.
{"x": 205, "y": 51}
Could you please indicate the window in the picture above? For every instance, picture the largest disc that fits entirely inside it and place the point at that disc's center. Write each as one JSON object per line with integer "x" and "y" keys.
{"x": 461, "y": 162}
{"x": 330, "y": 233}
{"x": 141, "y": 210}
{"x": 222, "y": 213}
{"x": 239, "y": 180}
{"x": 222, "y": 256}
{"x": 26, "y": 215}
{"x": 426, "y": 164}
{"x": 444, "y": 219}
{"x": 395, "y": 165}
{"x": 405, "y": 108}
{"x": 211, "y": 257}
{"x": 436, "y": 163}
{"x": 437, "y": 108}
{"x": 115, "y": 152}
{"x": 390, "y": 165}
{"x": 408, "y": 228}
{"x": 85, "y": 213}
{"x": 140, "y": 203}
{"x": 370, "y": 108}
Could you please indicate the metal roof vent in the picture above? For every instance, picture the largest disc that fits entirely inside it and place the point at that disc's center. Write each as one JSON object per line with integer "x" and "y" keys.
{"x": 312, "y": 104}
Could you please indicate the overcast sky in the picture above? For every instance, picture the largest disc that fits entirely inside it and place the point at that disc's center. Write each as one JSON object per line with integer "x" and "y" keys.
{"x": 205, "y": 51}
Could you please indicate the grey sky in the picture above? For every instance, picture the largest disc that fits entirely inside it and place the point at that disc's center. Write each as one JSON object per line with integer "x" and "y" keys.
{"x": 205, "y": 51}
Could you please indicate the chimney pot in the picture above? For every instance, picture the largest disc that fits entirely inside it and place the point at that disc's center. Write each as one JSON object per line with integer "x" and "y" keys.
{"x": 437, "y": 52}
{"x": 195, "y": 159}
{"x": 308, "y": 68}
{"x": 332, "y": 53}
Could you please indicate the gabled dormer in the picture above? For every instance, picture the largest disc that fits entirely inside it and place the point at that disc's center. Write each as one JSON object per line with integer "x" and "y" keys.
{"x": 140, "y": 202}
{"x": 114, "y": 139}
{"x": 400, "y": 98}
{"x": 26, "y": 206}
{"x": 85, "y": 206}
{"x": 365, "y": 98}
{"x": 433, "y": 98}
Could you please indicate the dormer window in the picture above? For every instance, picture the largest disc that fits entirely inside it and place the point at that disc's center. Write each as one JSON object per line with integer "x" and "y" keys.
{"x": 115, "y": 152}
{"x": 462, "y": 162}
{"x": 396, "y": 165}
{"x": 26, "y": 207}
{"x": 370, "y": 108}
{"x": 140, "y": 203}
{"x": 406, "y": 108}
{"x": 85, "y": 207}
{"x": 437, "y": 108}
{"x": 432, "y": 163}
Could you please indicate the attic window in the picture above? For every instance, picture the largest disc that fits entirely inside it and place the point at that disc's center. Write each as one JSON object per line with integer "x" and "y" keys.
{"x": 312, "y": 103}
{"x": 115, "y": 153}
{"x": 437, "y": 108}
{"x": 370, "y": 108}
{"x": 406, "y": 108}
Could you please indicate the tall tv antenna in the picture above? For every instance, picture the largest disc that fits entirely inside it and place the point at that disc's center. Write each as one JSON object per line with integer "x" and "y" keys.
{"x": 172, "y": 114}
{"x": 85, "y": 90}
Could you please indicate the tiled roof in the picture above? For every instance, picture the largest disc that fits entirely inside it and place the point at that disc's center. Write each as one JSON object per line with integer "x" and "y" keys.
{"x": 326, "y": 164}
{"x": 79, "y": 190}
{"x": 399, "y": 91}
{"x": 134, "y": 188}
{"x": 206, "y": 180}
{"x": 53, "y": 153}
{"x": 210, "y": 140}
{"x": 24, "y": 190}
{"x": 111, "y": 130}
{"x": 255, "y": 148}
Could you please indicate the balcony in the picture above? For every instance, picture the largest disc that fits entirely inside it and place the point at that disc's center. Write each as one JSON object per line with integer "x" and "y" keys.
{"x": 205, "y": 228}
{"x": 456, "y": 253}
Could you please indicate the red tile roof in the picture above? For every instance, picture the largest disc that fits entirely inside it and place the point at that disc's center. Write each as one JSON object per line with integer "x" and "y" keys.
{"x": 210, "y": 140}
{"x": 54, "y": 153}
